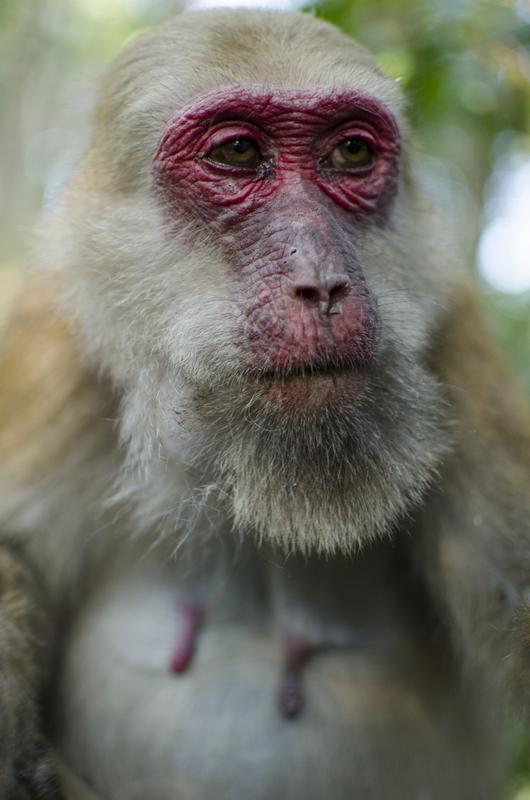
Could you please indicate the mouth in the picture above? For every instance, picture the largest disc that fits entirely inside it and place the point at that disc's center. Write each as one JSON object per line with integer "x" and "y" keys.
{"x": 308, "y": 372}
{"x": 312, "y": 386}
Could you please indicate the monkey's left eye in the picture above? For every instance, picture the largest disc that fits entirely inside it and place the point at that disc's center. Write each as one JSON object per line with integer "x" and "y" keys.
{"x": 238, "y": 152}
{"x": 353, "y": 153}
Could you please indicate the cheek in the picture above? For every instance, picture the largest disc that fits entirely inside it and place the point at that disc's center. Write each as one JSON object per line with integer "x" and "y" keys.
{"x": 404, "y": 313}
{"x": 410, "y": 293}
{"x": 374, "y": 197}
{"x": 373, "y": 194}
{"x": 201, "y": 322}
{"x": 200, "y": 346}
{"x": 196, "y": 191}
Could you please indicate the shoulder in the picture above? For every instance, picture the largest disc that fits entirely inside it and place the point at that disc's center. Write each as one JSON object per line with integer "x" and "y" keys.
{"x": 47, "y": 396}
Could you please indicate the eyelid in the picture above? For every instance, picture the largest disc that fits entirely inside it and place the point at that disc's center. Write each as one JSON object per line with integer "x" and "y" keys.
{"x": 339, "y": 137}
{"x": 351, "y": 129}
{"x": 223, "y": 133}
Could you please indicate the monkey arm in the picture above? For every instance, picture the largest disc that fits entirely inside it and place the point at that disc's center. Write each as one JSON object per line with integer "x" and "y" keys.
{"x": 27, "y": 765}
{"x": 48, "y": 405}
{"x": 26, "y": 762}
{"x": 477, "y": 552}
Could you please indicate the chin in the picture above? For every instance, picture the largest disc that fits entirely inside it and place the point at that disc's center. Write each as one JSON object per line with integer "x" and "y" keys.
{"x": 305, "y": 479}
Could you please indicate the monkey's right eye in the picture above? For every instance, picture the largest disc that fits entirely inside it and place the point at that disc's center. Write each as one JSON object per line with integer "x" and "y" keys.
{"x": 240, "y": 152}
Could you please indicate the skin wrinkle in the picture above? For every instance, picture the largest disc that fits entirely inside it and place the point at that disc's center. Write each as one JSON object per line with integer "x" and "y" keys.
{"x": 184, "y": 141}
{"x": 291, "y": 223}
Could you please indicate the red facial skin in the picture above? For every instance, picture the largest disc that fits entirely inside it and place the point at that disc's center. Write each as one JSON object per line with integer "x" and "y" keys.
{"x": 290, "y": 227}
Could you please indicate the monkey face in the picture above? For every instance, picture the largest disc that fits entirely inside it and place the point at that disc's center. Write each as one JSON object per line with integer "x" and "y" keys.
{"x": 245, "y": 245}
{"x": 288, "y": 180}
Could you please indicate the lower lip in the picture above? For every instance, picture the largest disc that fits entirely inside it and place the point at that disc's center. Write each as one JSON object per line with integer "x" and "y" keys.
{"x": 312, "y": 392}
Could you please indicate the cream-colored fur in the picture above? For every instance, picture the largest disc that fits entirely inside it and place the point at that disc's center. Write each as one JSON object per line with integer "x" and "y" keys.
{"x": 137, "y": 471}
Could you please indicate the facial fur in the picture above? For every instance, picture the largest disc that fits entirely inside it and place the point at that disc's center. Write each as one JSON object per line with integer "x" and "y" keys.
{"x": 267, "y": 327}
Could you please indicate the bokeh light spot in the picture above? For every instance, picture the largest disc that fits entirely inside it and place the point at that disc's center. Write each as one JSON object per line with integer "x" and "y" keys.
{"x": 504, "y": 247}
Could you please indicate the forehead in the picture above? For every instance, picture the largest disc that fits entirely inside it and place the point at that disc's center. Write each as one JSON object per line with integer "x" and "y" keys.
{"x": 275, "y": 104}
{"x": 208, "y": 50}
{"x": 286, "y": 50}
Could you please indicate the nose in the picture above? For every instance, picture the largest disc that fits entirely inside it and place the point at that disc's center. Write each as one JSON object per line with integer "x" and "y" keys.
{"x": 323, "y": 293}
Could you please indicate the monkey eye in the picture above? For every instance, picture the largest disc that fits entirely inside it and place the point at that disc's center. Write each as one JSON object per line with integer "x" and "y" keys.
{"x": 353, "y": 153}
{"x": 239, "y": 152}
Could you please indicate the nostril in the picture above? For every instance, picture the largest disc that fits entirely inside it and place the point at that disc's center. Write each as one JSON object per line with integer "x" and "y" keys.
{"x": 308, "y": 294}
{"x": 327, "y": 294}
{"x": 338, "y": 291}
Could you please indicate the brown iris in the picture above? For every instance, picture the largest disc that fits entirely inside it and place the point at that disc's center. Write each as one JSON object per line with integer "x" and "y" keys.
{"x": 240, "y": 152}
{"x": 353, "y": 153}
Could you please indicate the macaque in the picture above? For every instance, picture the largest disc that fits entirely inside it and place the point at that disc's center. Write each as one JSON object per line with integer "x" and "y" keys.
{"x": 264, "y": 484}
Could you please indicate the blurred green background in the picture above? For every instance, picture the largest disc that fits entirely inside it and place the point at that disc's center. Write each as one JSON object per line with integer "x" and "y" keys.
{"x": 465, "y": 65}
